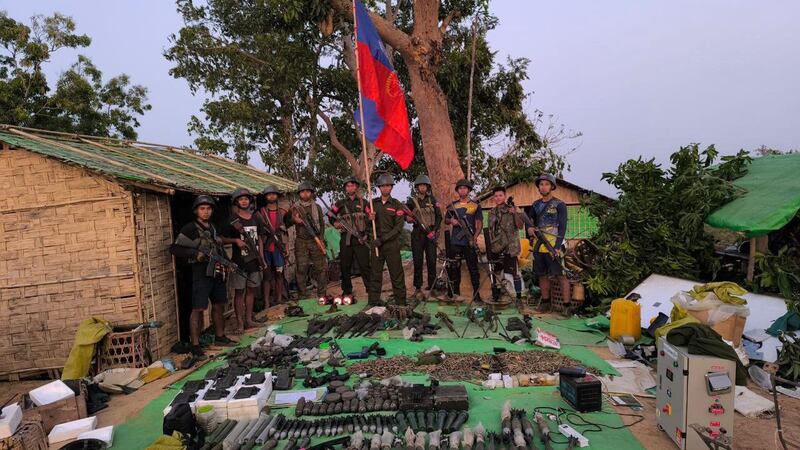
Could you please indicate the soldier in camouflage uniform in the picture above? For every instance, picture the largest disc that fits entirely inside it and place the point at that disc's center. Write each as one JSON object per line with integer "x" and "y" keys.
{"x": 423, "y": 244}
{"x": 306, "y": 244}
{"x": 389, "y": 221}
{"x": 353, "y": 209}
{"x": 504, "y": 225}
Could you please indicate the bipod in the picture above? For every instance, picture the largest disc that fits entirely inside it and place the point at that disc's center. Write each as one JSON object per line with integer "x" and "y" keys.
{"x": 443, "y": 281}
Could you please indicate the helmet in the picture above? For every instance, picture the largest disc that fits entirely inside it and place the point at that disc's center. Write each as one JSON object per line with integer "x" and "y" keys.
{"x": 546, "y": 177}
{"x": 464, "y": 182}
{"x": 353, "y": 180}
{"x": 241, "y": 192}
{"x": 204, "y": 200}
{"x": 270, "y": 189}
{"x": 305, "y": 186}
{"x": 422, "y": 179}
{"x": 385, "y": 179}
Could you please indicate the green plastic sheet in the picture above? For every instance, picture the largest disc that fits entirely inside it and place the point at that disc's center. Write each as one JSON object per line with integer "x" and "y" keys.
{"x": 771, "y": 200}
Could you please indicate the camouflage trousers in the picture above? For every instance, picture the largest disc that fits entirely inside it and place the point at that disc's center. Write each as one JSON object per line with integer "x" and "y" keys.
{"x": 307, "y": 254}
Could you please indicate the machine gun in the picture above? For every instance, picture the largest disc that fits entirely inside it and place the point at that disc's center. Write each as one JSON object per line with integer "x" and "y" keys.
{"x": 252, "y": 247}
{"x": 348, "y": 226}
{"x": 465, "y": 228}
{"x": 311, "y": 227}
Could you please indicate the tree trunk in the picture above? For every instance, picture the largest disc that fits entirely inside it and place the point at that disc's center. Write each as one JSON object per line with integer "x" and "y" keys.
{"x": 438, "y": 142}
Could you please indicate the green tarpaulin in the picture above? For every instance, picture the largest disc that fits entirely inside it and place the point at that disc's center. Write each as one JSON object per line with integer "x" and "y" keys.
{"x": 771, "y": 201}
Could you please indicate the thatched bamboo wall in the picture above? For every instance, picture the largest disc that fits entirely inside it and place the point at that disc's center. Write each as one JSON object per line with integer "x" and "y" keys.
{"x": 156, "y": 272}
{"x": 66, "y": 254}
{"x": 526, "y": 193}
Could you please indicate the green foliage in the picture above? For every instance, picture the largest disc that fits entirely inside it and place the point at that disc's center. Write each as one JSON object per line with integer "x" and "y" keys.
{"x": 268, "y": 66}
{"x": 657, "y": 224}
{"x": 81, "y": 102}
{"x": 780, "y": 273}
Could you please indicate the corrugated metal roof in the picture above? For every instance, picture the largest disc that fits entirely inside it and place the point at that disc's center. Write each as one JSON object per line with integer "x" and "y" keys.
{"x": 143, "y": 163}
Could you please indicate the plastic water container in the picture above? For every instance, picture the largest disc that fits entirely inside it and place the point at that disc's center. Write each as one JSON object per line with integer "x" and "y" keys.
{"x": 625, "y": 319}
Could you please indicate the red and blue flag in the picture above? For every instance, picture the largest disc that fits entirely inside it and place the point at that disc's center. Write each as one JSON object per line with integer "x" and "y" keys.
{"x": 382, "y": 98}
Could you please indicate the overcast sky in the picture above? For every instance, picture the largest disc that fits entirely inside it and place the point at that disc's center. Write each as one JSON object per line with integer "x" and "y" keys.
{"x": 636, "y": 78}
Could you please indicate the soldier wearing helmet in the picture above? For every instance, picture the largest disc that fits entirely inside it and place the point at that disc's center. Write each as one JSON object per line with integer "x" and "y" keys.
{"x": 193, "y": 240}
{"x": 274, "y": 219}
{"x": 352, "y": 209}
{"x": 309, "y": 221}
{"x": 243, "y": 231}
{"x": 465, "y": 217}
{"x": 428, "y": 214}
{"x": 389, "y": 221}
{"x": 549, "y": 215}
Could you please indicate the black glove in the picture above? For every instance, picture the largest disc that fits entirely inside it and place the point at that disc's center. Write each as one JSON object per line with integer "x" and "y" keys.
{"x": 376, "y": 243}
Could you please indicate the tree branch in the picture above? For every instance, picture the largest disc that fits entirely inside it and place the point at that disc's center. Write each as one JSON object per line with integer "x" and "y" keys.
{"x": 337, "y": 144}
{"x": 447, "y": 20}
{"x": 399, "y": 40}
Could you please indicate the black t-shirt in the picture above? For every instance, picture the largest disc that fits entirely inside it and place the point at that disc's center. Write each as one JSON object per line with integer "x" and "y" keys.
{"x": 254, "y": 228}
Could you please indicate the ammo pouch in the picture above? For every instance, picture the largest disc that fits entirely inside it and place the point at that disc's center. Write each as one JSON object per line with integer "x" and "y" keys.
{"x": 499, "y": 242}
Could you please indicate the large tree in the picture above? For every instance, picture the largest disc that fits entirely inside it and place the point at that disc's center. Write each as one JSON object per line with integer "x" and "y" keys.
{"x": 81, "y": 101}
{"x": 281, "y": 79}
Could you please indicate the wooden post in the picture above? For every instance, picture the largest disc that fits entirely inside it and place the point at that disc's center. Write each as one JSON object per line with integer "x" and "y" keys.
{"x": 758, "y": 244}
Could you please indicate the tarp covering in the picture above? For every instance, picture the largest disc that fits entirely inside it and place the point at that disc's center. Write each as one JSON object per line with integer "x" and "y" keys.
{"x": 771, "y": 201}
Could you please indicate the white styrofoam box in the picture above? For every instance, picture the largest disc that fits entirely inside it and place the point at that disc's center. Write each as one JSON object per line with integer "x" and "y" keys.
{"x": 220, "y": 406}
{"x": 12, "y": 416}
{"x": 105, "y": 434}
{"x": 70, "y": 430}
{"x": 192, "y": 405}
{"x": 51, "y": 393}
{"x": 249, "y": 408}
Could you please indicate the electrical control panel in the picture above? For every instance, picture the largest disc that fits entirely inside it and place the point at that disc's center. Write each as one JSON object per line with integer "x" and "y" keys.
{"x": 694, "y": 397}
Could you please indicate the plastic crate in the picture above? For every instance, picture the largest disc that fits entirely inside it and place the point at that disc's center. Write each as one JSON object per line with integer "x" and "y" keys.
{"x": 29, "y": 436}
{"x": 124, "y": 349}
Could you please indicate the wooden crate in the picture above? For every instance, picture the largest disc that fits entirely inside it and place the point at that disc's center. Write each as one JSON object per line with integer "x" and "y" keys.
{"x": 66, "y": 410}
{"x": 124, "y": 349}
{"x": 29, "y": 436}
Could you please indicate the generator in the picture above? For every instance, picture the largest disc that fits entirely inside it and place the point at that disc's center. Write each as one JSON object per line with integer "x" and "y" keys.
{"x": 694, "y": 397}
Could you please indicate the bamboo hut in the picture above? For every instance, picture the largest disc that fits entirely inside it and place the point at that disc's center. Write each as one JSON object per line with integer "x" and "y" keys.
{"x": 85, "y": 226}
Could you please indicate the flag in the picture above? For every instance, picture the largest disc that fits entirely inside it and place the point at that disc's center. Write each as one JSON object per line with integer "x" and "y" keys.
{"x": 384, "y": 104}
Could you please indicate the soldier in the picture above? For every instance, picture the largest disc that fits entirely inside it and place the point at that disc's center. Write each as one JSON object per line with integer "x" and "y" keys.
{"x": 274, "y": 218}
{"x": 388, "y": 217}
{"x": 243, "y": 231}
{"x": 549, "y": 215}
{"x": 194, "y": 239}
{"x": 309, "y": 221}
{"x": 466, "y": 219}
{"x": 504, "y": 225}
{"x": 428, "y": 216}
{"x": 353, "y": 210}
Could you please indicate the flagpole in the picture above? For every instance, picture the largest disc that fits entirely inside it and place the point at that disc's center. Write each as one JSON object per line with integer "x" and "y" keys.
{"x": 363, "y": 129}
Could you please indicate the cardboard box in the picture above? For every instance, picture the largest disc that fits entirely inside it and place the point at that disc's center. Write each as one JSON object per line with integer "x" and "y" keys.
{"x": 66, "y": 410}
{"x": 730, "y": 329}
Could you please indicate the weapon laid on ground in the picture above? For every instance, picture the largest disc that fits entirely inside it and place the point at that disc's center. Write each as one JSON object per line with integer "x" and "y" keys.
{"x": 349, "y": 227}
{"x": 445, "y": 320}
{"x": 465, "y": 228}
{"x": 272, "y": 234}
{"x": 252, "y": 247}
{"x": 521, "y": 325}
{"x": 311, "y": 227}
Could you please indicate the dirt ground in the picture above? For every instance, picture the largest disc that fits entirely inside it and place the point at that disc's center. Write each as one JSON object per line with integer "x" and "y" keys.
{"x": 755, "y": 434}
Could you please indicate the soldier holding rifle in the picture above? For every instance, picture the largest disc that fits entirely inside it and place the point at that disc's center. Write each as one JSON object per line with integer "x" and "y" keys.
{"x": 309, "y": 221}
{"x": 274, "y": 218}
{"x": 465, "y": 216}
{"x": 199, "y": 244}
{"x": 349, "y": 215}
{"x": 424, "y": 212}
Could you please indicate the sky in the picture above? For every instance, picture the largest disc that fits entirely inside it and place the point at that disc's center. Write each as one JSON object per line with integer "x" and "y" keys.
{"x": 637, "y": 78}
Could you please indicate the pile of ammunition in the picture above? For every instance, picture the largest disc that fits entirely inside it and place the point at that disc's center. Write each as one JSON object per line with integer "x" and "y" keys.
{"x": 342, "y": 399}
{"x": 468, "y": 366}
{"x": 262, "y": 357}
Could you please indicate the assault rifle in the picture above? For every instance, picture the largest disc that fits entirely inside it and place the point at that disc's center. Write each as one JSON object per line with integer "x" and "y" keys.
{"x": 272, "y": 234}
{"x": 464, "y": 225}
{"x": 409, "y": 213}
{"x": 348, "y": 226}
{"x": 213, "y": 252}
{"x": 538, "y": 234}
{"x": 252, "y": 247}
{"x": 311, "y": 227}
